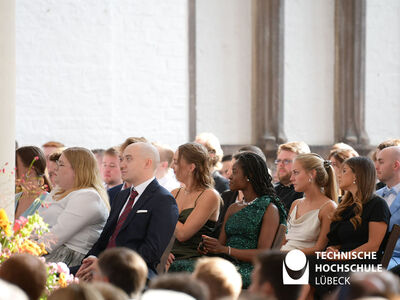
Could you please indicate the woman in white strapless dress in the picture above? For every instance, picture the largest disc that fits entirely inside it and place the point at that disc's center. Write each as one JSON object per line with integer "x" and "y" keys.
{"x": 310, "y": 217}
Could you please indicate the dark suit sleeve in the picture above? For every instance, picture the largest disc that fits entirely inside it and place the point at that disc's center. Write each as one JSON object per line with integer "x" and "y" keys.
{"x": 108, "y": 229}
{"x": 160, "y": 230}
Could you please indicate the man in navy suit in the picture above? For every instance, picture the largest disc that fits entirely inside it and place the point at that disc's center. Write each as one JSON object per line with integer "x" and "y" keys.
{"x": 388, "y": 171}
{"x": 142, "y": 218}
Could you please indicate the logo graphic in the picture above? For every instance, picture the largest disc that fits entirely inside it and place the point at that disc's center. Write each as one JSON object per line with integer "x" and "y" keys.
{"x": 295, "y": 268}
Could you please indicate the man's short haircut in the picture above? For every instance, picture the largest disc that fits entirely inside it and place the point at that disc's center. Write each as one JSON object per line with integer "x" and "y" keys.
{"x": 271, "y": 262}
{"x": 55, "y": 156}
{"x": 221, "y": 277}
{"x": 98, "y": 151}
{"x": 27, "y": 272}
{"x": 131, "y": 140}
{"x": 341, "y": 146}
{"x": 124, "y": 268}
{"x": 109, "y": 291}
{"x": 389, "y": 143}
{"x": 383, "y": 145}
{"x": 226, "y": 157}
{"x": 166, "y": 153}
{"x": 181, "y": 282}
{"x": 81, "y": 291}
{"x": 295, "y": 147}
{"x": 53, "y": 144}
{"x": 113, "y": 151}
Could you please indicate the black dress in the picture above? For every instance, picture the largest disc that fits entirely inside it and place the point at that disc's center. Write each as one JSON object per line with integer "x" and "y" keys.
{"x": 343, "y": 234}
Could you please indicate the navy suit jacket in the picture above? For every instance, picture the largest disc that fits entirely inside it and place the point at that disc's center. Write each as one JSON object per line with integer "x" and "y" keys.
{"x": 148, "y": 227}
{"x": 113, "y": 192}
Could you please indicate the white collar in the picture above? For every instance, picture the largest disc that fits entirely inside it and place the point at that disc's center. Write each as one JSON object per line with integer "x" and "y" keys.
{"x": 141, "y": 187}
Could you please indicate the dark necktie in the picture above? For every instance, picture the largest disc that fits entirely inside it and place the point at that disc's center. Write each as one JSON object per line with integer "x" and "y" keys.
{"x": 122, "y": 218}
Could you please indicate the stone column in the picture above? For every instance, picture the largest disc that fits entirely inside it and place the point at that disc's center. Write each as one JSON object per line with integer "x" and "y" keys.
{"x": 268, "y": 58}
{"x": 7, "y": 105}
{"x": 192, "y": 69}
{"x": 350, "y": 72}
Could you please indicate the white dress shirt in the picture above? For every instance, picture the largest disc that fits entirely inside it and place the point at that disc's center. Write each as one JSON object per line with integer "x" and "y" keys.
{"x": 139, "y": 189}
{"x": 389, "y": 198}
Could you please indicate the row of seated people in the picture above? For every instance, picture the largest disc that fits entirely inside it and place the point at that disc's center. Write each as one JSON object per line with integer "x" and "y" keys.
{"x": 78, "y": 210}
{"x": 121, "y": 274}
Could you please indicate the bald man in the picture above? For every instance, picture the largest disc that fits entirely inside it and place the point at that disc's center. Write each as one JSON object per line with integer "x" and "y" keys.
{"x": 142, "y": 218}
{"x": 388, "y": 171}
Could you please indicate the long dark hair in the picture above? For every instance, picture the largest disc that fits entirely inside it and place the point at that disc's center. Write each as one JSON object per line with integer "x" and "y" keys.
{"x": 364, "y": 169}
{"x": 29, "y": 154}
{"x": 256, "y": 170}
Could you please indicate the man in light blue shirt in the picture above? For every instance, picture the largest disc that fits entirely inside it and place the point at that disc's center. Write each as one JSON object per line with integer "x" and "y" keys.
{"x": 388, "y": 171}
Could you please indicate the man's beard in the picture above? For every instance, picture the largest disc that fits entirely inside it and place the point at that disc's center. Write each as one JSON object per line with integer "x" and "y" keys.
{"x": 284, "y": 179}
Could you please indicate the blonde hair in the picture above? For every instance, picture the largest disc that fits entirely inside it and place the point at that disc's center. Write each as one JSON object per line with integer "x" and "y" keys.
{"x": 341, "y": 146}
{"x": 342, "y": 154}
{"x": 87, "y": 174}
{"x": 325, "y": 174}
{"x": 221, "y": 277}
{"x": 296, "y": 147}
{"x": 211, "y": 142}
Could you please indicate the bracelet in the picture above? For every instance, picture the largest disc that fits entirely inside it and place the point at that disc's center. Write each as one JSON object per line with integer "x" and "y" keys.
{"x": 229, "y": 250}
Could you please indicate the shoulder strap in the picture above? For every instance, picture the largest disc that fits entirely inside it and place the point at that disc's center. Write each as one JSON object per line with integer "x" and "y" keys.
{"x": 324, "y": 204}
{"x": 195, "y": 201}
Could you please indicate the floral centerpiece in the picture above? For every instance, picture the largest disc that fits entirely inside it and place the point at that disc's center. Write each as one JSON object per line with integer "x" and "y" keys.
{"x": 21, "y": 238}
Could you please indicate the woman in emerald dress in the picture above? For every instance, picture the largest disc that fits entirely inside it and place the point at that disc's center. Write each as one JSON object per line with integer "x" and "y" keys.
{"x": 198, "y": 205}
{"x": 250, "y": 225}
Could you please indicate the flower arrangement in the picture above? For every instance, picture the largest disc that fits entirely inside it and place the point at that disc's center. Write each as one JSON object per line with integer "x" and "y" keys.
{"x": 58, "y": 276}
{"x": 20, "y": 238}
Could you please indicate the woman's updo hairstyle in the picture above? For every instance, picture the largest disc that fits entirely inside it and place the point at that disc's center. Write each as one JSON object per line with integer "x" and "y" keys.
{"x": 325, "y": 174}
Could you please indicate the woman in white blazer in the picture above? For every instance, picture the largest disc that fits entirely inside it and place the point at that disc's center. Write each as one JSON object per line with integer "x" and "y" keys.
{"x": 79, "y": 209}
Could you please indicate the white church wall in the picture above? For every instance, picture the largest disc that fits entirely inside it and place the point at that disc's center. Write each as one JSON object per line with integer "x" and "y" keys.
{"x": 94, "y": 72}
{"x": 224, "y": 33}
{"x": 382, "y": 70}
{"x": 309, "y": 71}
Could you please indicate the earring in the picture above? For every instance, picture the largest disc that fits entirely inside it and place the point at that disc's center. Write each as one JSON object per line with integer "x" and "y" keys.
{"x": 354, "y": 182}
{"x": 310, "y": 180}
{"x": 247, "y": 179}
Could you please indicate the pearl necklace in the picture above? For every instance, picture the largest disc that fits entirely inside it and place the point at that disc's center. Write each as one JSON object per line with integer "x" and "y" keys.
{"x": 244, "y": 203}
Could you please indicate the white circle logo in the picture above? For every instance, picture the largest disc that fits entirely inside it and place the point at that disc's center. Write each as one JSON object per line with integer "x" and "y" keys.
{"x": 295, "y": 260}
{"x": 295, "y": 269}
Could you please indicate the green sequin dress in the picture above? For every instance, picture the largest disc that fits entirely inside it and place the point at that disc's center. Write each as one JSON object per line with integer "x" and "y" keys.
{"x": 186, "y": 252}
{"x": 243, "y": 228}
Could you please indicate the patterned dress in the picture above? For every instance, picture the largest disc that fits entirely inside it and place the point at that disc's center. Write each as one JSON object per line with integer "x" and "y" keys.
{"x": 243, "y": 229}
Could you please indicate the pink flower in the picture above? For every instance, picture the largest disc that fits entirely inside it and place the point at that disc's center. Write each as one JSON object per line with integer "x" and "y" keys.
{"x": 36, "y": 158}
{"x": 20, "y": 223}
{"x": 62, "y": 268}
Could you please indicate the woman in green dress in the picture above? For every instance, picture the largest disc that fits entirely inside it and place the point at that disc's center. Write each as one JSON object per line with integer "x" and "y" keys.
{"x": 249, "y": 225}
{"x": 198, "y": 205}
